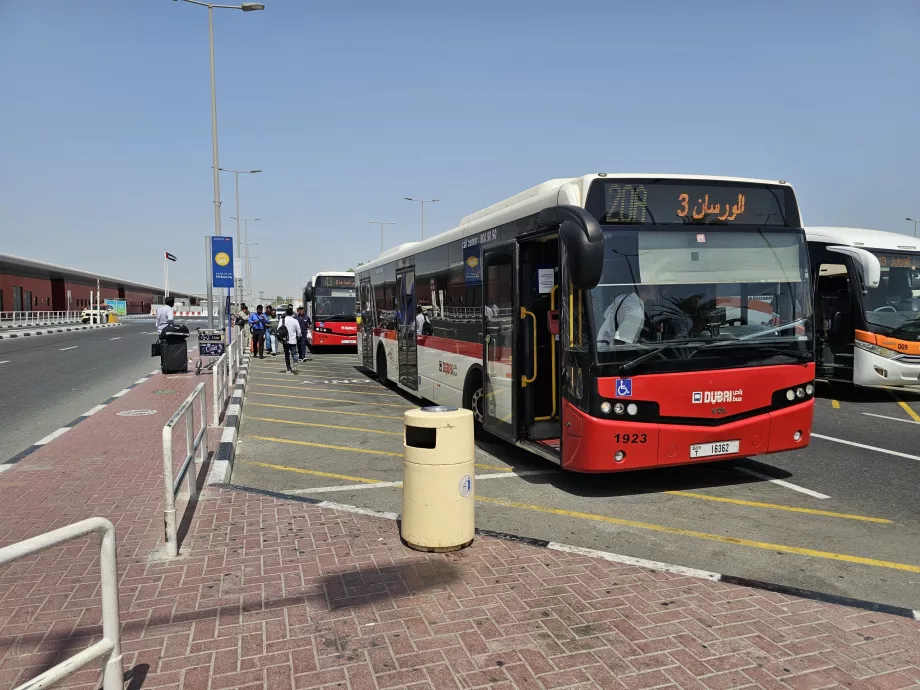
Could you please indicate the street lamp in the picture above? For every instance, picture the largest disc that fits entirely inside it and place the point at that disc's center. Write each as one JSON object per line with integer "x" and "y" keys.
{"x": 236, "y": 175}
{"x": 422, "y": 202}
{"x": 245, "y": 7}
{"x": 381, "y": 223}
{"x": 248, "y": 276}
{"x": 914, "y": 221}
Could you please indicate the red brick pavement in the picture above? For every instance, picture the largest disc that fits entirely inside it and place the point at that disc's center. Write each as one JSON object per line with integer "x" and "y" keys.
{"x": 278, "y": 594}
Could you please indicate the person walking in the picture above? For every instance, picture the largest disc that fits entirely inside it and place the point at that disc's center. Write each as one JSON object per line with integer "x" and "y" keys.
{"x": 242, "y": 320}
{"x": 304, "y": 321}
{"x": 272, "y": 330}
{"x": 289, "y": 334}
{"x": 257, "y": 325}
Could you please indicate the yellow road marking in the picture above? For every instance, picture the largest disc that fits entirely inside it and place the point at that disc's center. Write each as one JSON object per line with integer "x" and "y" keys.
{"x": 908, "y": 409}
{"x": 704, "y": 535}
{"x": 310, "y": 397}
{"x": 330, "y": 447}
{"x": 319, "y": 409}
{"x": 315, "y": 473}
{"x": 496, "y": 467}
{"x": 289, "y": 377}
{"x": 336, "y": 390}
{"x": 328, "y": 426}
{"x": 775, "y": 506}
{"x": 835, "y": 404}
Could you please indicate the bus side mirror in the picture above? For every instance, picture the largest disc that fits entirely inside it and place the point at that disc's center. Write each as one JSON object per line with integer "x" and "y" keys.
{"x": 308, "y": 293}
{"x": 584, "y": 242}
{"x": 869, "y": 268}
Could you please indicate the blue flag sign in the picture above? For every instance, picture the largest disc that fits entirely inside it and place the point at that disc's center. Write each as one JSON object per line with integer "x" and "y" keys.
{"x": 222, "y": 261}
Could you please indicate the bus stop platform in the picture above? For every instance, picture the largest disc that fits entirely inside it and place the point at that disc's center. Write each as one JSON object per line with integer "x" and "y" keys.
{"x": 272, "y": 591}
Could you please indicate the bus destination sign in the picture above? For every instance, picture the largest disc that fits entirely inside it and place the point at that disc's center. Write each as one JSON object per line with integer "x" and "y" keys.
{"x": 335, "y": 281}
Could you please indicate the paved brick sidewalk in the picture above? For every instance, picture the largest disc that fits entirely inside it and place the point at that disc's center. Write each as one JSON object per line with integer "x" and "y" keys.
{"x": 275, "y": 593}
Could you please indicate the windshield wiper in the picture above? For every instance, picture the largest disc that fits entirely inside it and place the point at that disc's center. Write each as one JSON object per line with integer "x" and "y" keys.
{"x": 629, "y": 367}
{"x": 799, "y": 355}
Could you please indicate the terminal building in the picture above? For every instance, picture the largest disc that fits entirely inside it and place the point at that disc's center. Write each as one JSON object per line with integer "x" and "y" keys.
{"x": 27, "y": 285}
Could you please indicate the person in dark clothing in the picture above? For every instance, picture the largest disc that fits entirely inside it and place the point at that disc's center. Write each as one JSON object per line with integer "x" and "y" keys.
{"x": 258, "y": 324}
{"x": 304, "y": 322}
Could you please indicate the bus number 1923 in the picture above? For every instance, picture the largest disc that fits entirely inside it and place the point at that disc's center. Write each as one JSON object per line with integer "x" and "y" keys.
{"x": 630, "y": 438}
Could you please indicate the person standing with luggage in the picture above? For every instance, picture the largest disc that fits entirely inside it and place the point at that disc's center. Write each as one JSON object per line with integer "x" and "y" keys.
{"x": 165, "y": 315}
{"x": 289, "y": 334}
{"x": 257, "y": 326}
{"x": 304, "y": 321}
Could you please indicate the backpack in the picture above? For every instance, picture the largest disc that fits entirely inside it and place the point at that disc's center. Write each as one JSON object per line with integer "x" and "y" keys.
{"x": 282, "y": 331}
{"x": 427, "y": 328}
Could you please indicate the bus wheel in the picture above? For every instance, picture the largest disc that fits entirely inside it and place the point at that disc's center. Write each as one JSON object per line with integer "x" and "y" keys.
{"x": 382, "y": 366}
{"x": 474, "y": 401}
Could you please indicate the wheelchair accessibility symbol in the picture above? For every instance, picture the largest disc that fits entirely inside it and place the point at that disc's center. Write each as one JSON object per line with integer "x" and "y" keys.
{"x": 624, "y": 388}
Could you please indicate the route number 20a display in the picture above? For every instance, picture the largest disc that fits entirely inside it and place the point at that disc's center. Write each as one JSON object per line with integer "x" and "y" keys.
{"x": 630, "y": 438}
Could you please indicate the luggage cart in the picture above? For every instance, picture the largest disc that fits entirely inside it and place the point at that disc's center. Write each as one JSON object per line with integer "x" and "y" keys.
{"x": 211, "y": 345}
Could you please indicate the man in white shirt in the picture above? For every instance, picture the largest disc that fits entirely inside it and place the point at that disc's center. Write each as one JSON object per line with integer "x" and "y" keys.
{"x": 624, "y": 318}
{"x": 165, "y": 315}
{"x": 290, "y": 343}
{"x": 420, "y": 320}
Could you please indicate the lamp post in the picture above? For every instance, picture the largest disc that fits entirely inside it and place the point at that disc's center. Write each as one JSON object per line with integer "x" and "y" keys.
{"x": 914, "y": 221}
{"x": 422, "y": 202}
{"x": 248, "y": 276}
{"x": 236, "y": 176}
{"x": 245, "y": 7}
{"x": 381, "y": 223}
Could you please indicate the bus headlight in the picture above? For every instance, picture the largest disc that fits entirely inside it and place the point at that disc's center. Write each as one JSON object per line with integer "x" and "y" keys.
{"x": 800, "y": 392}
{"x": 790, "y": 395}
{"x": 875, "y": 349}
{"x": 632, "y": 409}
{"x": 606, "y": 407}
{"x": 809, "y": 389}
{"x": 619, "y": 408}
{"x": 619, "y": 456}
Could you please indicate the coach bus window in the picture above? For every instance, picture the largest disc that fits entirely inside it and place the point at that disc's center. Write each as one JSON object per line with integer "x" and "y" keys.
{"x": 894, "y": 305}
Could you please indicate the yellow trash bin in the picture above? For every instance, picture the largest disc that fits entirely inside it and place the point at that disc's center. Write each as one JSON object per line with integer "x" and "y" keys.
{"x": 438, "y": 479}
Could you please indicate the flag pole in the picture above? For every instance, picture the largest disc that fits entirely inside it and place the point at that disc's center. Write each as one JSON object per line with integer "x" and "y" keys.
{"x": 165, "y": 276}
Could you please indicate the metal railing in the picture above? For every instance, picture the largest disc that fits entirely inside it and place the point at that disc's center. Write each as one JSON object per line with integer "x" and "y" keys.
{"x": 220, "y": 376}
{"x": 110, "y": 644}
{"x": 193, "y": 445}
{"x": 20, "y": 319}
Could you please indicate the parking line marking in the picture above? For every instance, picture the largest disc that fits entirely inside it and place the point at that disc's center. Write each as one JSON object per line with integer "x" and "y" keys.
{"x": 871, "y": 414}
{"x": 782, "y": 482}
{"x": 117, "y": 338}
{"x": 776, "y": 506}
{"x": 5, "y": 361}
{"x": 319, "y": 409}
{"x": 638, "y": 562}
{"x": 386, "y": 485}
{"x": 315, "y": 473}
{"x": 72, "y": 347}
{"x": 308, "y": 397}
{"x": 53, "y": 435}
{"x": 334, "y": 390}
{"x": 908, "y": 409}
{"x": 328, "y": 426}
{"x": 835, "y": 404}
{"x": 801, "y": 551}
{"x": 329, "y": 446}
{"x": 863, "y": 445}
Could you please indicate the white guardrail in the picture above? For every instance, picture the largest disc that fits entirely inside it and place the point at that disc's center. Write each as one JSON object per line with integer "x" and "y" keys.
{"x": 223, "y": 375}
{"x": 110, "y": 644}
{"x": 20, "y": 319}
{"x": 194, "y": 444}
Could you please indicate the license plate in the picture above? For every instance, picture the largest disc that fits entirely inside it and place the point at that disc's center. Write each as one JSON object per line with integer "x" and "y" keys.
{"x": 705, "y": 450}
{"x": 350, "y": 342}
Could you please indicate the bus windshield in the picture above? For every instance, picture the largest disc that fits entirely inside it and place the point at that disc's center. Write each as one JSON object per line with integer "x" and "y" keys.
{"x": 894, "y": 306}
{"x": 694, "y": 287}
{"x": 333, "y": 304}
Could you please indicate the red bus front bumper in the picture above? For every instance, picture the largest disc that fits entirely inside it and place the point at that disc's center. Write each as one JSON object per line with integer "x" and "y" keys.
{"x": 334, "y": 339}
{"x": 590, "y": 443}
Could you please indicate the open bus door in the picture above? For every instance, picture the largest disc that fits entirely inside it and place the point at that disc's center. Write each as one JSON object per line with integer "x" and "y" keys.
{"x": 499, "y": 331}
{"x": 366, "y": 327}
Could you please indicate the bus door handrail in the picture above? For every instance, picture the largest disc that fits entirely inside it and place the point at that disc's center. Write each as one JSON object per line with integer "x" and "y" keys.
{"x": 524, "y": 379}
{"x": 552, "y": 350}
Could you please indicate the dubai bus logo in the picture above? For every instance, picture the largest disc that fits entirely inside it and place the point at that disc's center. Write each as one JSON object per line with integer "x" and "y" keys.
{"x": 718, "y": 396}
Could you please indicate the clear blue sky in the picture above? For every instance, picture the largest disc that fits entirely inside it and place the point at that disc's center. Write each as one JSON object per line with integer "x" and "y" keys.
{"x": 105, "y": 145}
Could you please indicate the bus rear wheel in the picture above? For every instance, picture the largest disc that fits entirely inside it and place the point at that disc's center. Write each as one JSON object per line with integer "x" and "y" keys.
{"x": 474, "y": 401}
{"x": 382, "y": 366}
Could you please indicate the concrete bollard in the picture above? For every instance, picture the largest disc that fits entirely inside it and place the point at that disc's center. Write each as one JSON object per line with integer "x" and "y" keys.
{"x": 438, "y": 479}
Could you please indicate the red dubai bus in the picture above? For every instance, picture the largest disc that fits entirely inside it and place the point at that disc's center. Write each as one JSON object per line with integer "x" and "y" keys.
{"x": 329, "y": 300}
{"x": 609, "y": 322}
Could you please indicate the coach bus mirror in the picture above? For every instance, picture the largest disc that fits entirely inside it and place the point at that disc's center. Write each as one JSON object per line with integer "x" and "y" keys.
{"x": 583, "y": 240}
{"x": 308, "y": 293}
{"x": 869, "y": 267}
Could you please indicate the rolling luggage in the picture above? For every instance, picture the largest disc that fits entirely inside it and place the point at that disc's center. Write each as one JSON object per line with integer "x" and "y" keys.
{"x": 174, "y": 357}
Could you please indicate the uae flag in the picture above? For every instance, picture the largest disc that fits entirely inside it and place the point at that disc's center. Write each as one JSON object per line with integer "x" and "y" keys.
{"x": 171, "y": 257}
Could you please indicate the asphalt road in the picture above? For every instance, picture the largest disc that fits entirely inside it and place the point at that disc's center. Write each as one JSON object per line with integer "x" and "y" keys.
{"x": 49, "y": 380}
{"x": 844, "y": 522}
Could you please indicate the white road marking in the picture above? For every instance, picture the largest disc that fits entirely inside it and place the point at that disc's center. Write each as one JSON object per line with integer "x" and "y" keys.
{"x": 639, "y": 562}
{"x": 118, "y": 338}
{"x": 140, "y": 381}
{"x": 53, "y": 435}
{"x": 862, "y": 445}
{"x": 388, "y": 485}
{"x": 5, "y": 361}
{"x": 782, "y": 482}
{"x": 72, "y": 347}
{"x": 120, "y": 393}
{"x": 93, "y": 410}
{"x": 868, "y": 414}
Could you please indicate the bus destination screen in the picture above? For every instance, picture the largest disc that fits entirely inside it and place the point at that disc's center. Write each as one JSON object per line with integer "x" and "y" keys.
{"x": 335, "y": 281}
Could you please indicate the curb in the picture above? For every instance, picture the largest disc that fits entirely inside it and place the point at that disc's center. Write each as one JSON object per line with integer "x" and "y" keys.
{"x": 8, "y": 464}
{"x": 226, "y": 449}
{"x": 657, "y": 566}
{"x": 49, "y": 331}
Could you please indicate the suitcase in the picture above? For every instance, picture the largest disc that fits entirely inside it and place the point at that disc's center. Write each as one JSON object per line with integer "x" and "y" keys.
{"x": 174, "y": 357}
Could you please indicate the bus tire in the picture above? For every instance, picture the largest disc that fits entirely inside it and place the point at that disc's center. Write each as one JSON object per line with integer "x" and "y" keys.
{"x": 474, "y": 402}
{"x": 382, "y": 366}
